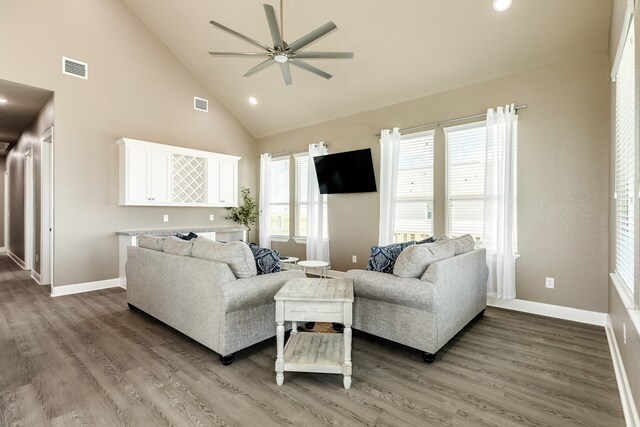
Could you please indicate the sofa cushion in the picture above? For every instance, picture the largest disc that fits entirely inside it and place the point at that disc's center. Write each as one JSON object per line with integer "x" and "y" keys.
{"x": 174, "y": 245}
{"x": 255, "y": 291}
{"x": 409, "y": 292}
{"x": 414, "y": 260}
{"x": 148, "y": 241}
{"x": 464, "y": 244}
{"x": 267, "y": 260}
{"x": 236, "y": 255}
{"x": 383, "y": 258}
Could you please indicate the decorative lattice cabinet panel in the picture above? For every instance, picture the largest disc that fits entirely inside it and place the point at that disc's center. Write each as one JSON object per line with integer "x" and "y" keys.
{"x": 161, "y": 175}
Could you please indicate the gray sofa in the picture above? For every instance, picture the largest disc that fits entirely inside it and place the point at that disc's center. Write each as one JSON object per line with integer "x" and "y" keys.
{"x": 425, "y": 312}
{"x": 203, "y": 298}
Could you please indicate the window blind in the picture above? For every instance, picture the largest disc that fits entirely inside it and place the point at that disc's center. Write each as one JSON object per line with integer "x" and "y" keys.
{"x": 280, "y": 196}
{"x": 414, "y": 188}
{"x": 465, "y": 164}
{"x": 625, "y": 152}
{"x": 302, "y": 183}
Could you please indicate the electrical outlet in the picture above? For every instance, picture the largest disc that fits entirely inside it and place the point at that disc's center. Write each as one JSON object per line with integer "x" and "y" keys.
{"x": 550, "y": 283}
{"x": 624, "y": 333}
{"x": 211, "y": 217}
{"x": 166, "y": 218}
{"x": 354, "y": 259}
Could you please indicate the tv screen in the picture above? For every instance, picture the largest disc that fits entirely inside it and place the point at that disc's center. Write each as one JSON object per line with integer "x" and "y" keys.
{"x": 348, "y": 172}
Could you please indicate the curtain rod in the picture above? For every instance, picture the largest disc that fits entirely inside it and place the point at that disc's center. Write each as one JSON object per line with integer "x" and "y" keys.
{"x": 459, "y": 119}
{"x": 294, "y": 151}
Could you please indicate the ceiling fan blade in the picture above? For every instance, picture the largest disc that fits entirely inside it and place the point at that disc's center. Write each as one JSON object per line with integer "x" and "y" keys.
{"x": 242, "y": 36}
{"x": 251, "y": 54}
{"x": 309, "y": 67}
{"x": 261, "y": 66}
{"x": 273, "y": 26}
{"x": 324, "y": 55}
{"x": 312, "y": 36}
{"x": 286, "y": 73}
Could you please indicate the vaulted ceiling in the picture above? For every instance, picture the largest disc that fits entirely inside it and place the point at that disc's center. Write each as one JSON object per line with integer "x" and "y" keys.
{"x": 403, "y": 49}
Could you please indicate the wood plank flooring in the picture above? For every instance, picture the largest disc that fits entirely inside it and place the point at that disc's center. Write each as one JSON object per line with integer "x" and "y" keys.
{"x": 88, "y": 360}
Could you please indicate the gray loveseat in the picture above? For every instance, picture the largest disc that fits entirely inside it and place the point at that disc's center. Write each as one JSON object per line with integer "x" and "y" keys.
{"x": 222, "y": 305}
{"x": 426, "y": 311}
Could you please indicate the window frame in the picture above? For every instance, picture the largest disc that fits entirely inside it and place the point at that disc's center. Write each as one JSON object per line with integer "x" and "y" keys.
{"x": 281, "y": 237}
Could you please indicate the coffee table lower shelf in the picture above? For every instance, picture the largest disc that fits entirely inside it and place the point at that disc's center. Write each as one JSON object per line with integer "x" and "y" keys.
{"x": 315, "y": 352}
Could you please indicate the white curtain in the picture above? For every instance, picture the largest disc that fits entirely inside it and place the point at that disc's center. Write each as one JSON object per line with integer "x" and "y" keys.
{"x": 317, "y": 230}
{"x": 264, "y": 202}
{"x": 389, "y": 155}
{"x": 499, "y": 201}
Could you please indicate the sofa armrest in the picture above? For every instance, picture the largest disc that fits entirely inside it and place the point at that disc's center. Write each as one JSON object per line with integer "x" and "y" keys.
{"x": 386, "y": 287}
{"x": 461, "y": 291}
{"x": 255, "y": 291}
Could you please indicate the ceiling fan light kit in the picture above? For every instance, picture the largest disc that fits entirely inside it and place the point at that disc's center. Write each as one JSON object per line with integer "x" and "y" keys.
{"x": 284, "y": 53}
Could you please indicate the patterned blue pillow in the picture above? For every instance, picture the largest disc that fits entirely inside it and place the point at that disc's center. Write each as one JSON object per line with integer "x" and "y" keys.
{"x": 267, "y": 260}
{"x": 383, "y": 258}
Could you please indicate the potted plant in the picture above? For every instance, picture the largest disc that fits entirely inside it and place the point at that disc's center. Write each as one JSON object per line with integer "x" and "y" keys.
{"x": 247, "y": 212}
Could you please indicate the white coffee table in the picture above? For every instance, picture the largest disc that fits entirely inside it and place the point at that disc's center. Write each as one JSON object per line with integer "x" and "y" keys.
{"x": 322, "y": 265}
{"x": 318, "y": 300}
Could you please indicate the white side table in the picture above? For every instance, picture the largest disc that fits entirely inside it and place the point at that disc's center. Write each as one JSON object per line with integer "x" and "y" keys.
{"x": 290, "y": 260}
{"x": 319, "y": 300}
{"x": 322, "y": 265}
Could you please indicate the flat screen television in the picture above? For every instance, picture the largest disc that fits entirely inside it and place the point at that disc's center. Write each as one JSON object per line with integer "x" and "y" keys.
{"x": 348, "y": 172}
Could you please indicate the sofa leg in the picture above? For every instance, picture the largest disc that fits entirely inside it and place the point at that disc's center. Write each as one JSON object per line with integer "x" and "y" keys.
{"x": 428, "y": 357}
{"x": 338, "y": 327}
{"x": 310, "y": 325}
{"x": 132, "y": 307}
{"x": 228, "y": 359}
{"x": 480, "y": 314}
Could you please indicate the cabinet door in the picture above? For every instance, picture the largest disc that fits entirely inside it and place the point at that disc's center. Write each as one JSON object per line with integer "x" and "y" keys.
{"x": 213, "y": 182}
{"x": 229, "y": 182}
{"x": 139, "y": 166}
{"x": 160, "y": 176}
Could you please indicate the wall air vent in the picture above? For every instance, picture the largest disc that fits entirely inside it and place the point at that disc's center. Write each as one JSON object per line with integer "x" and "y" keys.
{"x": 4, "y": 146}
{"x": 200, "y": 104}
{"x": 75, "y": 68}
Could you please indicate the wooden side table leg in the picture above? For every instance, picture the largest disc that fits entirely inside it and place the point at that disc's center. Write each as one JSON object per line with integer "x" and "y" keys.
{"x": 294, "y": 328}
{"x": 280, "y": 342}
{"x": 348, "y": 318}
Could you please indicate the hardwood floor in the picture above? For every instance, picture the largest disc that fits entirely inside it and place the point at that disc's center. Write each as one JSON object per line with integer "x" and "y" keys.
{"x": 88, "y": 360}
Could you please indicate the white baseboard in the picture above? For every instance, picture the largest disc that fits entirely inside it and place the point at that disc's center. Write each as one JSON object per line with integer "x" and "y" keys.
{"x": 36, "y": 276}
{"x": 17, "y": 260}
{"x": 3, "y": 250}
{"x": 628, "y": 405}
{"x": 549, "y": 310}
{"x": 57, "y": 291}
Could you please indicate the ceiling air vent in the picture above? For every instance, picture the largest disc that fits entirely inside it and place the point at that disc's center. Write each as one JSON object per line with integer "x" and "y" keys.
{"x": 4, "y": 146}
{"x": 75, "y": 68}
{"x": 200, "y": 104}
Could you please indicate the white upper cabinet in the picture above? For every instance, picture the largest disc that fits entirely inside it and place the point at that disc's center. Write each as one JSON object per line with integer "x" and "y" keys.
{"x": 162, "y": 175}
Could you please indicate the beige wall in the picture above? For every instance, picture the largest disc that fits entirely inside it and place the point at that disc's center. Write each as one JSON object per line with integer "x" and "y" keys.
{"x": 30, "y": 139}
{"x": 136, "y": 88}
{"x": 563, "y": 158}
{"x": 618, "y": 312}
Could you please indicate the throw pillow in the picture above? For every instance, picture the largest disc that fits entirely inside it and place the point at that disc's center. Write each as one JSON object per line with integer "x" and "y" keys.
{"x": 414, "y": 260}
{"x": 236, "y": 255}
{"x": 464, "y": 244}
{"x": 383, "y": 258}
{"x": 151, "y": 242}
{"x": 189, "y": 236}
{"x": 174, "y": 245}
{"x": 267, "y": 260}
{"x": 427, "y": 240}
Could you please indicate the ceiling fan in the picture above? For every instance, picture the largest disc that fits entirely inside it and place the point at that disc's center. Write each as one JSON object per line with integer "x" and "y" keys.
{"x": 284, "y": 53}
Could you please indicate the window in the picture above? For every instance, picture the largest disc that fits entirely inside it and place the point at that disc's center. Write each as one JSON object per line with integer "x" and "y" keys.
{"x": 465, "y": 169}
{"x": 302, "y": 182}
{"x": 280, "y": 196}
{"x": 414, "y": 189}
{"x": 625, "y": 153}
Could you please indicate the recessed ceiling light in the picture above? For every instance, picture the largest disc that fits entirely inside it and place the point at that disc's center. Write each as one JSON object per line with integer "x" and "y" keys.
{"x": 252, "y": 100}
{"x": 3, "y": 101}
{"x": 501, "y": 5}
